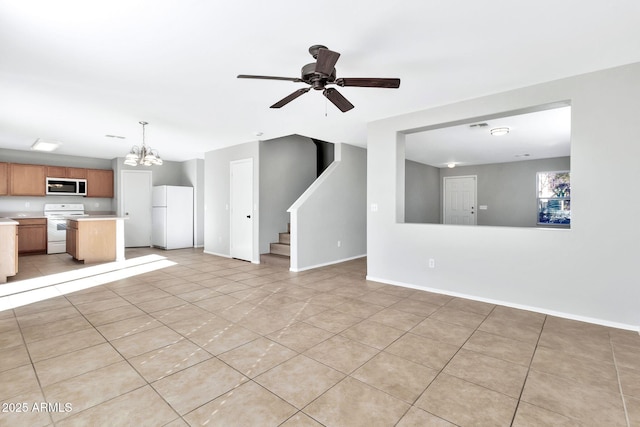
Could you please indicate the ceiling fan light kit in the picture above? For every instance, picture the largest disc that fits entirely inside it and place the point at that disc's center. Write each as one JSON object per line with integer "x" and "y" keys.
{"x": 321, "y": 73}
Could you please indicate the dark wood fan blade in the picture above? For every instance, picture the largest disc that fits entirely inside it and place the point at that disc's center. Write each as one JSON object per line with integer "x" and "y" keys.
{"x": 338, "y": 100}
{"x": 326, "y": 61}
{"x": 368, "y": 82}
{"x": 284, "y": 101}
{"x": 249, "y": 76}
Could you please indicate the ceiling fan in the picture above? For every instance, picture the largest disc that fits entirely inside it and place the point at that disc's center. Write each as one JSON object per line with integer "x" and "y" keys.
{"x": 321, "y": 73}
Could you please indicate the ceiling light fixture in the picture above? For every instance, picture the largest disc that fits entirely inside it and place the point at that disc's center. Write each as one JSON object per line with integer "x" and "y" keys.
{"x": 499, "y": 131}
{"x": 45, "y": 145}
{"x": 144, "y": 155}
{"x": 451, "y": 165}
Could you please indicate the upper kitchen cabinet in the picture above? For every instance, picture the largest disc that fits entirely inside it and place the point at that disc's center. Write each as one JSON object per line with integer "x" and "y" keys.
{"x": 26, "y": 180}
{"x": 56, "y": 171}
{"x": 65, "y": 172}
{"x": 77, "y": 173}
{"x": 100, "y": 183}
{"x": 4, "y": 179}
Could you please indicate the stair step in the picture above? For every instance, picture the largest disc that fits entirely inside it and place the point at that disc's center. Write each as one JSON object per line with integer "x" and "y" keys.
{"x": 271, "y": 259}
{"x": 280, "y": 249}
{"x": 285, "y": 238}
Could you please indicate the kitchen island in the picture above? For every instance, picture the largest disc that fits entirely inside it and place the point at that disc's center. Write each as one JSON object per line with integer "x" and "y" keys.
{"x": 96, "y": 238}
{"x": 8, "y": 248}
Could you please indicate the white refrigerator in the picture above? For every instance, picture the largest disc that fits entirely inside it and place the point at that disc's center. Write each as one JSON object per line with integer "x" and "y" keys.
{"x": 172, "y": 217}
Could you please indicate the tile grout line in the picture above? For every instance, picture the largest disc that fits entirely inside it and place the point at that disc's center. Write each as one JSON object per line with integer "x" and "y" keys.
{"x": 526, "y": 377}
{"x": 615, "y": 364}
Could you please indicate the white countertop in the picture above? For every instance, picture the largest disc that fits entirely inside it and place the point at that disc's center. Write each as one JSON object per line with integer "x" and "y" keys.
{"x": 96, "y": 218}
{"x": 7, "y": 221}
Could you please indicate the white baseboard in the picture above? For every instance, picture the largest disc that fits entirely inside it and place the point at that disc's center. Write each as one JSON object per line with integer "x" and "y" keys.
{"x": 311, "y": 267}
{"x": 217, "y": 254}
{"x": 635, "y": 328}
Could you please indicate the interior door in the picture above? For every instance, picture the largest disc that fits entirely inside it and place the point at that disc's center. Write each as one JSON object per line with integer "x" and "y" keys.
{"x": 241, "y": 203}
{"x": 460, "y": 200}
{"x": 135, "y": 193}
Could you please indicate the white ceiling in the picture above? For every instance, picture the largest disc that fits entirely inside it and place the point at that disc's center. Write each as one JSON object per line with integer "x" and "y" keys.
{"x": 534, "y": 135}
{"x": 75, "y": 71}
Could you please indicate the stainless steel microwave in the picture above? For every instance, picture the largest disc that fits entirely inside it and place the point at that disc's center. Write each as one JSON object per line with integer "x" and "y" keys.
{"x": 66, "y": 186}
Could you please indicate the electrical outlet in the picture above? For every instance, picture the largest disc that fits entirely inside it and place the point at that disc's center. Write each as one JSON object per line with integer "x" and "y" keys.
{"x": 432, "y": 263}
{"x": 339, "y": 243}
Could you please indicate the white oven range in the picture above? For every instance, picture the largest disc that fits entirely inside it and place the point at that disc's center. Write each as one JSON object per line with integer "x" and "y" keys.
{"x": 57, "y": 214}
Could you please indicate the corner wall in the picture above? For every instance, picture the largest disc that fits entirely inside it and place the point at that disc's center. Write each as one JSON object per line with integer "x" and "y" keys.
{"x": 585, "y": 273}
{"x": 328, "y": 222}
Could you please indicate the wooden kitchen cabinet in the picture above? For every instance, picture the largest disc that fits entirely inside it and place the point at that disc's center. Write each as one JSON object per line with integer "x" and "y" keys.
{"x": 26, "y": 180}
{"x": 78, "y": 173}
{"x": 32, "y": 235}
{"x": 8, "y": 249}
{"x": 100, "y": 183}
{"x": 56, "y": 171}
{"x": 4, "y": 179}
{"x": 91, "y": 241}
{"x": 65, "y": 172}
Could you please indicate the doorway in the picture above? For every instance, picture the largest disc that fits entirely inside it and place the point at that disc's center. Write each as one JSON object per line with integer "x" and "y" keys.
{"x": 241, "y": 203}
{"x": 460, "y": 200}
{"x": 135, "y": 205}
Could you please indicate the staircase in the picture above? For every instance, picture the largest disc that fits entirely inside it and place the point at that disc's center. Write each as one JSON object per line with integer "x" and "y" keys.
{"x": 283, "y": 247}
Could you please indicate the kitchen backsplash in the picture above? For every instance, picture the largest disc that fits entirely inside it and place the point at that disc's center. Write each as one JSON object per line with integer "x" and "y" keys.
{"x": 36, "y": 204}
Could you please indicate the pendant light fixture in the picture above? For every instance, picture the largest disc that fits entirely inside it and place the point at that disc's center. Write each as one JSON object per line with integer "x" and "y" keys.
{"x": 144, "y": 155}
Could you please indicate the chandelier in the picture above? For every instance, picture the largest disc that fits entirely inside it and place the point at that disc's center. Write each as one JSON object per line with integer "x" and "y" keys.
{"x": 142, "y": 155}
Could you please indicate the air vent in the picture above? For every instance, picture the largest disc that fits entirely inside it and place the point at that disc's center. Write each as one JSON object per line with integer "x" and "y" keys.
{"x": 479, "y": 125}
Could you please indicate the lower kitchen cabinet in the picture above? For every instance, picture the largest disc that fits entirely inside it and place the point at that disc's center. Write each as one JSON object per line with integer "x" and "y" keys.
{"x": 32, "y": 235}
{"x": 8, "y": 249}
{"x": 91, "y": 241}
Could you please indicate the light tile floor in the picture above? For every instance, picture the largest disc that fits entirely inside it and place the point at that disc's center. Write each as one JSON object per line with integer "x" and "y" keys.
{"x": 221, "y": 342}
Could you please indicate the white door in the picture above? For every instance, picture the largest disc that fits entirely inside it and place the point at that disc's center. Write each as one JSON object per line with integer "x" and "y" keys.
{"x": 136, "y": 207}
{"x": 241, "y": 202}
{"x": 460, "y": 200}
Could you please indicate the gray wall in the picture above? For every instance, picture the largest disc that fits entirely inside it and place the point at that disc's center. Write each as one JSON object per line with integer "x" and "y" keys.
{"x": 216, "y": 198}
{"x": 332, "y": 210}
{"x": 422, "y": 193}
{"x": 287, "y": 169}
{"x": 23, "y": 204}
{"x": 587, "y": 272}
{"x": 193, "y": 176}
{"x": 508, "y": 190}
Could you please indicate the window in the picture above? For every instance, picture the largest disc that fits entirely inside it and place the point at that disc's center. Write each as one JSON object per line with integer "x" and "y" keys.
{"x": 554, "y": 198}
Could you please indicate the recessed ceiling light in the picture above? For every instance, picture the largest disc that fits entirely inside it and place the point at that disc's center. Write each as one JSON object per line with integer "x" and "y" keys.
{"x": 451, "y": 165}
{"x": 45, "y": 145}
{"x": 499, "y": 131}
{"x": 523, "y": 155}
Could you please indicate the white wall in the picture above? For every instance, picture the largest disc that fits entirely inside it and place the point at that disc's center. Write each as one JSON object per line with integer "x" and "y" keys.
{"x": 587, "y": 272}
{"x": 287, "y": 169}
{"x": 216, "y": 198}
{"x": 333, "y": 209}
